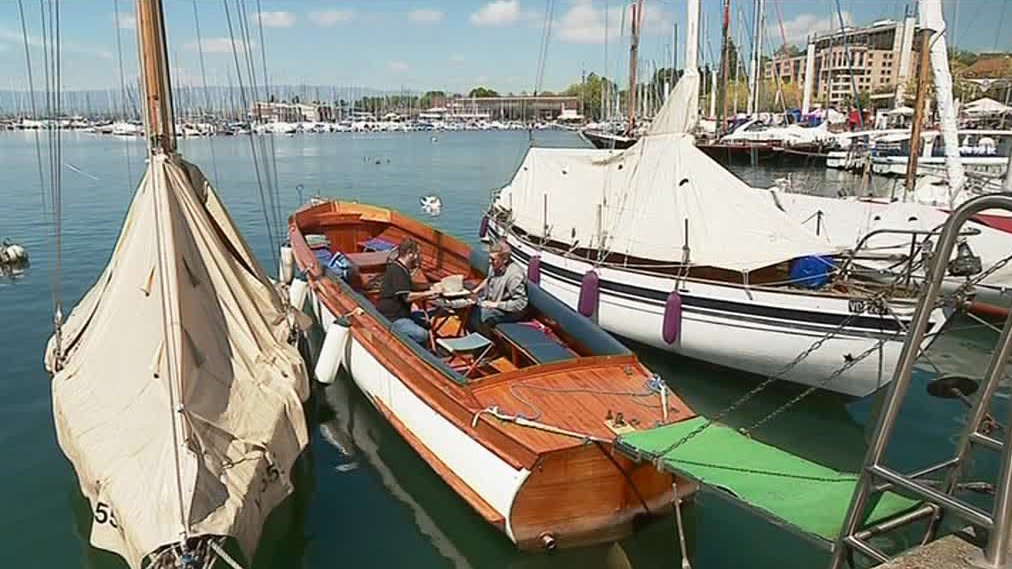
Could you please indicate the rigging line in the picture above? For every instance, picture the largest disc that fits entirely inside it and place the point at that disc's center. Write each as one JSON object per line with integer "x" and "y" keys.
{"x": 122, "y": 85}
{"x": 269, "y": 204}
{"x": 250, "y": 134}
{"x": 31, "y": 94}
{"x": 546, "y": 33}
{"x": 273, "y": 152}
{"x": 203, "y": 86}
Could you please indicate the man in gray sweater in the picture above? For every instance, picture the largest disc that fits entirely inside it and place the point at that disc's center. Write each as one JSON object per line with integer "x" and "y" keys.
{"x": 502, "y": 296}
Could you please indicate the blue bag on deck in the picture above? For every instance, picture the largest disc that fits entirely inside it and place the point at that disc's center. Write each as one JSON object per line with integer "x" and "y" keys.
{"x": 810, "y": 272}
{"x": 338, "y": 265}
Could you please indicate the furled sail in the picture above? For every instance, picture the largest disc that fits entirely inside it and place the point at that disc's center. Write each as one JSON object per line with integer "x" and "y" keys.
{"x": 648, "y": 202}
{"x": 176, "y": 394}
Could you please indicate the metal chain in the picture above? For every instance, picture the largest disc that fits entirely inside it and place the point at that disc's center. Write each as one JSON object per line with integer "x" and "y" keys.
{"x": 760, "y": 471}
{"x": 794, "y": 401}
{"x": 769, "y": 380}
{"x": 797, "y": 399}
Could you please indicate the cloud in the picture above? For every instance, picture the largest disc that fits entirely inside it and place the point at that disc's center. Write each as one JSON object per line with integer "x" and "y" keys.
{"x": 426, "y": 16}
{"x": 798, "y": 28}
{"x": 397, "y": 67}
{"x": 329, "y": 18}
{"x": 497, "y": 13}
{"x": 218, "y": 45}
{"x": 583, "y": 23}
{"x": 66, "y": 46}
{"x": 457, "y": 58}
{"x": 278, "y": 19}
{"x": 125, "y": 20}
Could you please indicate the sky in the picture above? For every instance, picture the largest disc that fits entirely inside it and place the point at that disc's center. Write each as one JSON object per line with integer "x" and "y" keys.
{"x": 450, "y": 45}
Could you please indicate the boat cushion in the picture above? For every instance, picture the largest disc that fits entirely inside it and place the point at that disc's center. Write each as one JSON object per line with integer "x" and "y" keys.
{"x": 378, "y": 244}
{"x": 533, "y": 341}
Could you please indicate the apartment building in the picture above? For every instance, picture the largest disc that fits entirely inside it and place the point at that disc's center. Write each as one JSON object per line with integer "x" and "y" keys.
{"x": 876, "y": 59}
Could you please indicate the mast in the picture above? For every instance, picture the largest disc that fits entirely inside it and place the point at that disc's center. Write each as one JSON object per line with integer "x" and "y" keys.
{"x": 806, "y": 101}
{"x": 756, "y": 63}
{"x": 634, "y": 47}
{"x": 923, "y": 69}
{"x": 724, "y": 64}
{"x": 159, "y": 123}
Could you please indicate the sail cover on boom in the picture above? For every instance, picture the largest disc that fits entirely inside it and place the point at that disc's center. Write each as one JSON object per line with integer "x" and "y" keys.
{"x": 177, "y": 397}
{"x": 650, "y": 200}
{"x": 654, "y": 199}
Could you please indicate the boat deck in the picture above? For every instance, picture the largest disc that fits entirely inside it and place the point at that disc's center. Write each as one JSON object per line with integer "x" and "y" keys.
{"x": 589, "y": 398}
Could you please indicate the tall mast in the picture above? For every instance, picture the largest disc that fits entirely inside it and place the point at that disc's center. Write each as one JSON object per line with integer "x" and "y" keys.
{"x": 724, "y": 64}
{"x": 634, "y": 47}
{"x": 923, "y": 70}
{"x": 756, "y": 64}
{"x": 159, "y": 123}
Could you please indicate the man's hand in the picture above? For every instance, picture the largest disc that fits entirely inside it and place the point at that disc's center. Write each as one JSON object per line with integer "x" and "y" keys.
{"x": 488, "y": 304}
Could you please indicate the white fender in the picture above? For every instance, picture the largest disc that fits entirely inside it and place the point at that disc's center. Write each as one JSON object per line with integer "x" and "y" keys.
{"x": 332, "y": 353}
{"x": 286, "y": 265}
{"x": 297, "y": 294}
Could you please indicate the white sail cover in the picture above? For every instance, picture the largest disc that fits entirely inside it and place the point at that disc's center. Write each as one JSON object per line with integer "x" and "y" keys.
{"x": 638, "y": 202}
{"x": 179, "y": 401}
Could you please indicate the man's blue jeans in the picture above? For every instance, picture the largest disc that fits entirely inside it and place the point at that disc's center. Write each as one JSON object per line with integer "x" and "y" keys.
{"x": 414, "y": 327}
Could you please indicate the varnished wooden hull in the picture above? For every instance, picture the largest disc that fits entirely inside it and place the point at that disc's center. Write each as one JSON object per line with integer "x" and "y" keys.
{"x": 541, "y": 490}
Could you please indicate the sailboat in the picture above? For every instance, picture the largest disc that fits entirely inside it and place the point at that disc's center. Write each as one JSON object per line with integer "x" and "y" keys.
{"x": 664, "y": 246}
{"x": 177, "y": 395}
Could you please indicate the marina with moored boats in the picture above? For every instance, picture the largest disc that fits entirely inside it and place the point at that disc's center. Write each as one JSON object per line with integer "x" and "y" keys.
{"x": 484, "y": 330}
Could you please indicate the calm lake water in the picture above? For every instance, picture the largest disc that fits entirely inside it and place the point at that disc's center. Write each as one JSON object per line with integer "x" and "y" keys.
{"x": 365, "y": 499}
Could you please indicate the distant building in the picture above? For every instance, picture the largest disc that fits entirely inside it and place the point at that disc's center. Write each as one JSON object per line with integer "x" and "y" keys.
{"x": 291, "y": 112}
{"x": 512, "y": 107}
{"x": 877, "y": 59}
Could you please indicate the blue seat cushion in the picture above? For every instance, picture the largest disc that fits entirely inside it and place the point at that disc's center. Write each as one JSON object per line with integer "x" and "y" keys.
{"x": 378, "y": 244}
{"x": 534, "y": 342}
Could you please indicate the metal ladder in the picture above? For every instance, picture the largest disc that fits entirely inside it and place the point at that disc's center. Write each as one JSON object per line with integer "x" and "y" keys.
{"x": 877, "y": 478}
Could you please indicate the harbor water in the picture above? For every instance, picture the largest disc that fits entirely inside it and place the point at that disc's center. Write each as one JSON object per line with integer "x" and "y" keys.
{"x": 364, "y": 498}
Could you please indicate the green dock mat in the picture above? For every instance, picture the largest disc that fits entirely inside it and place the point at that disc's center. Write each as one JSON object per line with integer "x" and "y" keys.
{"x": 796, "y": 492}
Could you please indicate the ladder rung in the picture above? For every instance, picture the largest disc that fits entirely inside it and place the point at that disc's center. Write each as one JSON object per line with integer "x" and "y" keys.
{"x": 883, "y": 486}
{"x": 855, "y": 543}
{"x": 988, "y": 441}
{"x": 968, "y": 512}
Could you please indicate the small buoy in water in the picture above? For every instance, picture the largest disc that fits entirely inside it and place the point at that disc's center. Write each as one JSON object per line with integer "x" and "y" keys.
{"x": 431, "y": 205}
{"x": 12, "y": 254}
{"x": 433, "y": 140}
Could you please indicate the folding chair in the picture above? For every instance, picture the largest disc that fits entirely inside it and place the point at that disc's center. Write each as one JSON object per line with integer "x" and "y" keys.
{"x": 467, "y": 353}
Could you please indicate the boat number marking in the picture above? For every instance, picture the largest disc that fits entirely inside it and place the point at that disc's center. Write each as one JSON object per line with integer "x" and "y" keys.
{"x": 871, "y": 306}
{"x": 103, "y": 515}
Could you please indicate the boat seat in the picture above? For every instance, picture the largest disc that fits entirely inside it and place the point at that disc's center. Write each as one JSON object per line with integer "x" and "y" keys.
{"x": 530, "y": 339}
{"x": 369, "y": 262}
{"x": 467, "y": 353}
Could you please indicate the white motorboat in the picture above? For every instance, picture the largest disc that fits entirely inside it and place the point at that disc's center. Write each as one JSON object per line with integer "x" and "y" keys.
{"x": 980, "y": 151}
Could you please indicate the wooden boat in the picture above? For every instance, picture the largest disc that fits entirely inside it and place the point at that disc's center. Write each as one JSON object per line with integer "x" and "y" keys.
{"x": 526, "y": 438}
